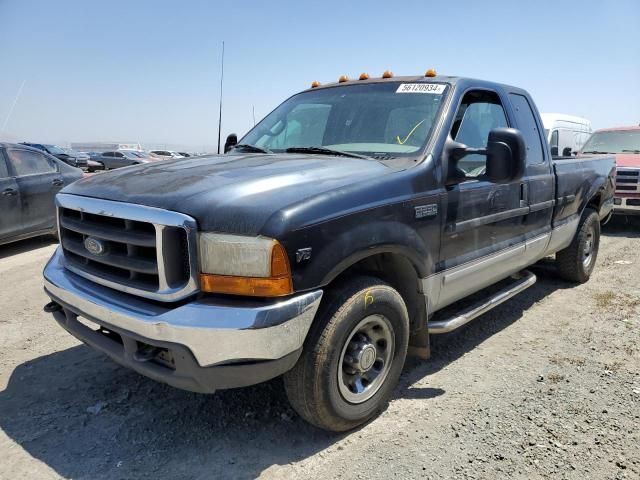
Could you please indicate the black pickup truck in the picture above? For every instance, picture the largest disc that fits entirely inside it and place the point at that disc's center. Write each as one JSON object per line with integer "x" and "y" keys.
{"x": 321, "y": 245}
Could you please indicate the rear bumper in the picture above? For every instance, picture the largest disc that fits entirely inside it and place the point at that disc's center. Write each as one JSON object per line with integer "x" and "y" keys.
{"x": 626, "y": 206}
{"x": 204, "y": 345}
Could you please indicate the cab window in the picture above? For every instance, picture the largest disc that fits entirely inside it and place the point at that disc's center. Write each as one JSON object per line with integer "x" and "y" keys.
{"x": 480, "y": 111}
{"x": 26, "y": 162}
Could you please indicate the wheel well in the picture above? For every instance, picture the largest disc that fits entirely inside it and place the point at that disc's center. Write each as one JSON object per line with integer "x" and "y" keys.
{"x": 595, "y": 202}
{"x": 397, "y": 271}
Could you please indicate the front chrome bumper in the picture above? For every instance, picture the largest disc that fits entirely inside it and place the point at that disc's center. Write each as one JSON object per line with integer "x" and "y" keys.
{"x": 216, "y": 330}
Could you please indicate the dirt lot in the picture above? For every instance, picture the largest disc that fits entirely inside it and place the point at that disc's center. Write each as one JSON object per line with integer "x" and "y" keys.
{"x": 545, "y": 386}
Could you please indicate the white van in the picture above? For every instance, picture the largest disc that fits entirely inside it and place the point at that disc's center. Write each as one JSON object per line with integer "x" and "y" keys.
{"x": 565, "y": 133}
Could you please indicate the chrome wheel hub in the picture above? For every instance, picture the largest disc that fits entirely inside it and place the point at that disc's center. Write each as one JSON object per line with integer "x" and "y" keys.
{"x": 587, "y": 251}
{"x": 366, "y": 359}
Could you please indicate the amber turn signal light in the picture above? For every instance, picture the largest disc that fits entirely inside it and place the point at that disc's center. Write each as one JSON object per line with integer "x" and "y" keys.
{"x": 343, "y": 78}
{"x": 364, "y": 76}
{"x": 278, "y": 284}
{"x": 430, "y": 73}
{"x": 387, "y": 74}
{"x": 248, "y": 286}
{"x": 315, "y": 84}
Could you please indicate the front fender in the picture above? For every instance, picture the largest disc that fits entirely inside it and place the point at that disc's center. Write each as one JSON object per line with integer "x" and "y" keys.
{"x": 364, "y": 239}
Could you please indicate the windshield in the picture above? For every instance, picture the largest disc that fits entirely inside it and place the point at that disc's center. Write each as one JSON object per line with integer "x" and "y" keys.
{"x": 618, "y": 141}
{"x": 53, "y": 150}
{"x": 389, "y": 119}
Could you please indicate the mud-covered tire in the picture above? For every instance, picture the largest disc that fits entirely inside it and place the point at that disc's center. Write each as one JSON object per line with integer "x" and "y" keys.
{"x": 338, "y": 340}
{"x": 576, "y": 262}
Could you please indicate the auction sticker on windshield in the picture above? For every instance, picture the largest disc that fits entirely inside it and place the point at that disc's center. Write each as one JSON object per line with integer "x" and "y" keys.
{"x": 436, "y": 88}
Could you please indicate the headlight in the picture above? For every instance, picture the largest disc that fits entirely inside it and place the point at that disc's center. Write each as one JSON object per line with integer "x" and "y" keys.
{"x": 239, "y": 265}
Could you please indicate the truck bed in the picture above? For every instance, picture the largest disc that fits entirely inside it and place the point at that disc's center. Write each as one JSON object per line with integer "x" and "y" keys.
{"x": 578, "y": 179}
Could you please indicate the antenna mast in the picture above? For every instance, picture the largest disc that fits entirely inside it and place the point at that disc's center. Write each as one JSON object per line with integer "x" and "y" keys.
{"x": 220, "y": 112}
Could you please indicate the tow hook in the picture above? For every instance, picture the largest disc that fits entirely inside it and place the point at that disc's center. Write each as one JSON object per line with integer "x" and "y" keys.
{"x": 146, "y": 353}
{"x": 52, "y": 307}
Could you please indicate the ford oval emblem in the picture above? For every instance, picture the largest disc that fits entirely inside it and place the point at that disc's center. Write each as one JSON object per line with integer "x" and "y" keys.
{"x": 94, "y": 246}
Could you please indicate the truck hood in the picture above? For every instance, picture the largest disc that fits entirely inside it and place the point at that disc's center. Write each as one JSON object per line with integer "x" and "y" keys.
{"x": 229, "y": 193}
{"x": 628, "y": 160}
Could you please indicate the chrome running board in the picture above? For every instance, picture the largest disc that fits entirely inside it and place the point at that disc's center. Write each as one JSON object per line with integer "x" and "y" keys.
{"x": 521, "y": 281}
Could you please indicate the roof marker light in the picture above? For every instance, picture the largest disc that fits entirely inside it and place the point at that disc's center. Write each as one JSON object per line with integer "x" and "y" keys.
{"x": 430, "y": 73}
{"x": 343, "y": 78}
{"x": 315, "y": 84}
{"x": 364, "y": 76}
{"x": 387, "y": 74}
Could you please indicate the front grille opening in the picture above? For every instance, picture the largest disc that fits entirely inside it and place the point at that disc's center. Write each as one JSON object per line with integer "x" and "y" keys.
{"x": 124, "y": 254}
{"x": 113, "y": 274}
{"x": 176, "y": 256}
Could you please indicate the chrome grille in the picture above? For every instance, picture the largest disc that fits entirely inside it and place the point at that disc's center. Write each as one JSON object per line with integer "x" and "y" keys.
{"x": 627, "y": 180}
{"x": 136, "y": 249}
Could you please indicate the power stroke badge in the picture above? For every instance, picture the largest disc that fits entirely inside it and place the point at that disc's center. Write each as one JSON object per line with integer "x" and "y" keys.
{"x": 423, "y": 211}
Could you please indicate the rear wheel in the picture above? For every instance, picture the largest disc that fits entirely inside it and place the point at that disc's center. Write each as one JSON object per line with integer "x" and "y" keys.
{"x": 353, "y": 356}
{"x": 576, "y": 262}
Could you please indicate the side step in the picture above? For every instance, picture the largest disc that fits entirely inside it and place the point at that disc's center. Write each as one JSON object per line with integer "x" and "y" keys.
{"x": 521, "y": 282}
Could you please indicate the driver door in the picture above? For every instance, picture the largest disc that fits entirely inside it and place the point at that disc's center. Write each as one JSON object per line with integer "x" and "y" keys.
{"x": 483, "y": 234}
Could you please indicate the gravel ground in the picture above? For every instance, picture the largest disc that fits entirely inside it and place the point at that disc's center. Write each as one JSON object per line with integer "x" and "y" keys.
{"x": 545, "y": 386}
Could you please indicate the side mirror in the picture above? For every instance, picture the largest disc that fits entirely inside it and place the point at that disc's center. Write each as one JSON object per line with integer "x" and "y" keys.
{"x": 566, "y": 152}
{"x": 554, "y": 151}
{"x": 232, "y": 141}
{"x": 506, "y": 155}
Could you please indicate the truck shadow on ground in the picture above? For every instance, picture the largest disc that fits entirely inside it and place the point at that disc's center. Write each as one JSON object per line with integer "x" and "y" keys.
{"x": 23, "y": 246}
{"x": 622, "y": 226}
{"x": 85, "y": 417}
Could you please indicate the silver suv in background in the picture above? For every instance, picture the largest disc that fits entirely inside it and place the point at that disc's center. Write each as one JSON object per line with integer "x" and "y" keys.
{"x": 120, "y": 158}
{"x": 166, "y": 154}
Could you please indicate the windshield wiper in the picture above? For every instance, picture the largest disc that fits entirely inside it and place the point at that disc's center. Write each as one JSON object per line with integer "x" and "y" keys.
{"x": 251, "y": 148}
{"x": 631, "y": 151}
{"x": 596, "y": 152}
{"x": 324, "y": 151}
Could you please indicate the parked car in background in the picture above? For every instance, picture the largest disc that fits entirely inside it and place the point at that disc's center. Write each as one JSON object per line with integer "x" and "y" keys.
{"x": 167, "y": 154}
{"x": 624, "y": 142}
{"x": 93, "y": 165}
{"x": 73, "y": 159}
{"x": 184, "y": 154}
{"x": 142, "y": 154}
{"x": 29, "y": 181}
{"x": 566, "y": 134}
{"x": 120, "y": 158}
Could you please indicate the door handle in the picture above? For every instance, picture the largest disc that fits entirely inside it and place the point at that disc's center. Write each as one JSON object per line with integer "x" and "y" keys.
{"x": 57, "y": 182}
{"x": 8, "y": 192}
{"x": 524, "y": 195}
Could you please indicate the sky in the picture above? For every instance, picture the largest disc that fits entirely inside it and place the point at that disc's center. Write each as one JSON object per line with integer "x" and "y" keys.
{"x": 149, "y": 71}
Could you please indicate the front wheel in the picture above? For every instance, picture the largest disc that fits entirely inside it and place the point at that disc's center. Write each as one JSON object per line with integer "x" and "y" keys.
{"x": 353, "y": 356}
{"x": 576, "y": 262}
